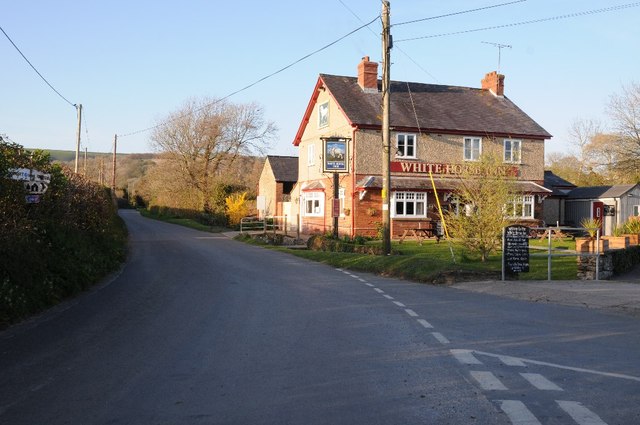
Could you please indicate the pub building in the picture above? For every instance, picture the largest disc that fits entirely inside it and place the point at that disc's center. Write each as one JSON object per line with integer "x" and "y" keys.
{"x": 435, "y": 129}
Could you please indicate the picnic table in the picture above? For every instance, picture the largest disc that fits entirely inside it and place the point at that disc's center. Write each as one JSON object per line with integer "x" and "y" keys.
{"x": 556, "y": 232}
{"x": 420, "y": 233}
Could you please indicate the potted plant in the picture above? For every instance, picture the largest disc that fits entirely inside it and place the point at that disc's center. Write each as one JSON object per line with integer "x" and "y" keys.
{"x": 589, "y": 244}
{"x": 618, "y": 240}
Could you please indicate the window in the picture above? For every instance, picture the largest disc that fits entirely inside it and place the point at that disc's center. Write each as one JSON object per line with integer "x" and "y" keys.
{"x": 406, "y": 146}
{"x": 472, "y": 148}
{"x": 314, "y": 204}
{"x": 323, "y": 115}
{"x": 636, "y": 210}
{"x": 311, "y": 156}
{"x": 341, "y": 197}
{"x": 409, "y": 204}
{"x": 520, "y": 207}
{"x": 512, "y": 150}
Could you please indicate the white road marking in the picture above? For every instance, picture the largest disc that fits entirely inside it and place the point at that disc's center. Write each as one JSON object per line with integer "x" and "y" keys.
{"x": 339, "y": 270}
{"x": 540, "y": 382}
{"x": 399, "y": 304}
{"x": 580, "y": 414}
{"x": 512, "y": 361}
{"x": 465, "y": 357}
{"x": 378, "y": 290}
{"x": 488, "y": 381}
{"x": 441, "y": 338}
{"x": 518, "y": 413}
{"x": 389, "y": 297}
{"x": 425, "y": 323}
{"x": 361, "y": 280}
{"x": 369, "y": 284}
{"x": 411, "y": 312}
{"x": 557, "y": 366}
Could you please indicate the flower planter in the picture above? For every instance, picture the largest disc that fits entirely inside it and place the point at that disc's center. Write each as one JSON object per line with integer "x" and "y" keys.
{"x": 617, "y": 242}
{"x": 634, "y": 238}
{"x": 589, "y": 245}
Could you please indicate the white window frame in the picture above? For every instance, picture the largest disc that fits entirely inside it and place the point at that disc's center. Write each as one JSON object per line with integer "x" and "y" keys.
{"x": 313, "y": 204}
{"x": 341, "y": 197}
{"x": 521, "y": 206}
{"x": 311, "y": 155}
{"x": 416, "y": 200}
{"x": 512, "y": 154}
{"x": 323, "y": 119}
{"x": 636, "y": 210}
{"x": 471, "y": 156}
{"x": 402, "y": 151}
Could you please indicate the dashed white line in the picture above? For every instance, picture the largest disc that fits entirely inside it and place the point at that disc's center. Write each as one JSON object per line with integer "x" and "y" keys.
{"x": 518, "y": 413}
{"x": 399, "y": 304}
{"x": 369, "y": 284}
{"x": 579, "y": 413}
{"x": 378, "y": 290}
{"x": 425, "y": 323}
{"x": 540, "y": 382}
{"x": 465, "y": 357}
{"x": 361, "y": 280}
{"x": 488, "y": 381}
{"x": 441, "y": 338}
{"x": 389, "y": 297}
{"x": 411, "y": 312}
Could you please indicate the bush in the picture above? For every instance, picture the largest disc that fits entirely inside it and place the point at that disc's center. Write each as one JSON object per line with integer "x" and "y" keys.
{"x": 327, "y": 243}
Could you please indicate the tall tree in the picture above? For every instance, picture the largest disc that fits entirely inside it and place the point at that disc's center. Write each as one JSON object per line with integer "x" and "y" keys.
{"x": 206, "y": 136}
{"x": 624, "y": 111}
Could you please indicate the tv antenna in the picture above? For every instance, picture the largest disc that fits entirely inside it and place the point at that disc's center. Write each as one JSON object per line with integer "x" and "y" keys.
{"x": 500, "y": 47}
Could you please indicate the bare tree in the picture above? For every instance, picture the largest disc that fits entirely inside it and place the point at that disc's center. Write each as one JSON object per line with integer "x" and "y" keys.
{"x": 206, "y": 136}
{"x": 624, "y": 110}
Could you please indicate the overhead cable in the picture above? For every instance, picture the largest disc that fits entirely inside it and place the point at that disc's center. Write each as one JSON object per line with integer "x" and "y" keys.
{"x": 255, "y": 82}
{"x": 34, "y": 68}
{"x": 534, "y": 21}
{"x": 457, "y": 13}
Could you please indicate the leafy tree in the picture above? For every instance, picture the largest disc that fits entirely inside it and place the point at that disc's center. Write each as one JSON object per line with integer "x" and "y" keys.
{"x": 482, "y": 196}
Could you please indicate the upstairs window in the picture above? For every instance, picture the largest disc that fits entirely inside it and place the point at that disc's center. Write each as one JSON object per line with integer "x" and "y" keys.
{"x": 311, "y": 155}
{"x": 512, "y": 150}
{"x": 405, "y": 145}
{"x": 472, "y": 148}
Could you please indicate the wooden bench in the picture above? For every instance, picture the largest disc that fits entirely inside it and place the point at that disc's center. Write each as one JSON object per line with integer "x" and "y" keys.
{"x": 420, "y": 234}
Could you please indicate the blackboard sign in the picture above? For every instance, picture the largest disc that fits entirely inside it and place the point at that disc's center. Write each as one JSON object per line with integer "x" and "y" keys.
{"x": 516, "y": 249}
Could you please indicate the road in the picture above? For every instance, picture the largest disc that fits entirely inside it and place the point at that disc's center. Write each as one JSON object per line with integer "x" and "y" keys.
{"x": 201, "y": 329}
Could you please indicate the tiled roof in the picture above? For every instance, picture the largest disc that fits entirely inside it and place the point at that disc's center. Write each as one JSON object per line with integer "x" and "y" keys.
{"x": 595, "y": 192}
{"x": 439, "y": 108}
{"x": 552, "y": 180}
{"x": 285, "y": 168}
{"x": 423, "y": 183}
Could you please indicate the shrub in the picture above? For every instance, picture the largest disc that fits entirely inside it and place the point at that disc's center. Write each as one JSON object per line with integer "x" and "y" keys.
{"x": 632, "y": 225}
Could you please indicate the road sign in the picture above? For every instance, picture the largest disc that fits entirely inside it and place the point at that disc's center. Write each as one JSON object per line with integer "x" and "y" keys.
{"x": 29, "y": 175}
{"x": 32, "y": 199}
{"x": 36, "y": 188}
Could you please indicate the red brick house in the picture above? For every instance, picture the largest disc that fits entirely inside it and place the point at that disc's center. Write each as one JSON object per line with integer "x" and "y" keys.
{"x": 436, "y": 128}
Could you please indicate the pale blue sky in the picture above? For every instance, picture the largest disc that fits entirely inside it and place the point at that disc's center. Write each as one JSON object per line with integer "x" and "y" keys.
{"x": 130, "y": 63}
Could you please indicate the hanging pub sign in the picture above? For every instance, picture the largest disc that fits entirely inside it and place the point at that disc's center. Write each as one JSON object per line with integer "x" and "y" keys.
{"x": 335, "y": 155}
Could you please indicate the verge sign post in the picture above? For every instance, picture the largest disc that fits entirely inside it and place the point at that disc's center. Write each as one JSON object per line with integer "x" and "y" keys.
{"x": 515, "y": 249}
{"x": 35, "y": 182}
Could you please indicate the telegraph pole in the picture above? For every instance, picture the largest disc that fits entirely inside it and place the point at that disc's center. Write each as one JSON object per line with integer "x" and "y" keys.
{"x": 79, "y": 109}
{"x": 386, "y": 134}
{"x": 113, "y": 177}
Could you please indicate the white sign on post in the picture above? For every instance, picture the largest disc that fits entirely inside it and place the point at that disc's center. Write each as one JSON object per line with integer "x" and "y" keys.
{"x": 35, "y": 182}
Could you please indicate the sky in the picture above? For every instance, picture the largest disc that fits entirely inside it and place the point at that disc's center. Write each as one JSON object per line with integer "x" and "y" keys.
{"x": 132, "y": 63}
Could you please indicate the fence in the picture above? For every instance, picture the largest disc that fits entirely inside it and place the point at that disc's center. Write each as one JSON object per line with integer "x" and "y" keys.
{"x": 559, "y": 232}
{"x": 282, "y": 224}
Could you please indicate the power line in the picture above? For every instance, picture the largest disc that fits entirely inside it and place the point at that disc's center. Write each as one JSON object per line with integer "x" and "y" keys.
{"x": 284, "y": 68}
{"x": 458, "y": 13}
{"x": 534, "y": 21}
{"x": 34, "y": 68}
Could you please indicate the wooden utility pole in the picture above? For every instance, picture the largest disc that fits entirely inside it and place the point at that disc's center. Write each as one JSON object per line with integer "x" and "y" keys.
{"x": 113, "y": 177}
{"x": 386, "y": 134}
{"x": 79, "y": 109}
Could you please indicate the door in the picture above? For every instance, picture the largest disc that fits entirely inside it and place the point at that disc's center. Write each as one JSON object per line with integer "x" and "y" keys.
{"x": 597, "y": 213}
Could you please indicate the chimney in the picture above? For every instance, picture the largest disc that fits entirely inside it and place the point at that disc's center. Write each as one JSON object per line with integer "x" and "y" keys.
{"x": 494, "y": 82}
{"x": 368, "y": 75}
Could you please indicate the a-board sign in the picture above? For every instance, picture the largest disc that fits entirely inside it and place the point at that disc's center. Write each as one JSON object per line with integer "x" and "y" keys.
{"x": 516, "y": 249}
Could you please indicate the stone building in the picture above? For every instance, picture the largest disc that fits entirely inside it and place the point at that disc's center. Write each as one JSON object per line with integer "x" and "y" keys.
{"x": 437, "y": 128}
{"x": 279, "y": 176}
